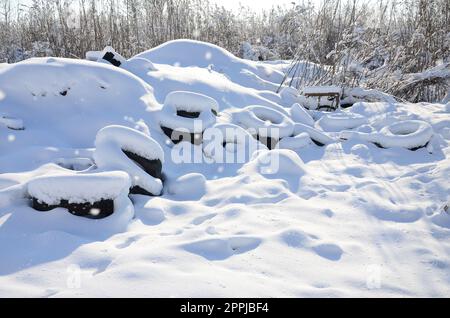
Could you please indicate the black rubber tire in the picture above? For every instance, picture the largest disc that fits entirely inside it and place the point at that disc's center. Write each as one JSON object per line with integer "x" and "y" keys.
{"x": 105, "y": 208}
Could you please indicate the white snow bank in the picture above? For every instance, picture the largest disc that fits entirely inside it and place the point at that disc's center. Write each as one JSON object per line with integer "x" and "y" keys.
{"x": 189, "y": 102}
{"x": 408, "y": 134}
{"x": 447, "y": 107}
{"x": 190, "y": 186}
{"x": 282, "y": 164}
{"x": 207, "y": 55}
{"x": 79, "y": 188}
{"x": 139, "y": 66}
{"x": 65, "y": 101}
{"x": 264, "y": 121}
{"x": 300, "y": 115}
{"x": 338, "y": 121}
{"x": 108, "y": 155}
{"x": 275, "y": 163}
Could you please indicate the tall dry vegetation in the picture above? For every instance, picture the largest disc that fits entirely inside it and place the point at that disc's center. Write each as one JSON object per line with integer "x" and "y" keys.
{"x": 399, "y": 46}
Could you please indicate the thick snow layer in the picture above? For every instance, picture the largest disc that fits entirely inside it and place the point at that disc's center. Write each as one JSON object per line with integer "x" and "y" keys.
{"x": 110, "y": 143}
{"x": 191, "y": 186}
{"x": 80, "y": 187}
{"x": 348, "y": 219}
{"x": 64, "y": 102}
{"x": 139, "y": 66}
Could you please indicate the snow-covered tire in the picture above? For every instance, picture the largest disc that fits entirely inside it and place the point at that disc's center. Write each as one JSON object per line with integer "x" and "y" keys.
{"x": 12, "y": 123}
{"x": 265, "y": 124}
{"x": 289, "y": 95}
{"x": 109, "y": 55}
{"x": 320, "y": 138}
{"x": 90, "y": 195}
{"x": 123, "y": 148}
{"x": 185, "y": 115}
{"x": 296, "y": 142}
{"x": 299, "y": 114}
{"x": 341, "y": 120}
{"x": 410, "y": 134}
{"x": 229, "y": 138}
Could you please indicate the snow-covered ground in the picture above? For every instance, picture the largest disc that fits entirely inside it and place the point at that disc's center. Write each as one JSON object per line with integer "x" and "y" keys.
{"x": 361, "y": 215}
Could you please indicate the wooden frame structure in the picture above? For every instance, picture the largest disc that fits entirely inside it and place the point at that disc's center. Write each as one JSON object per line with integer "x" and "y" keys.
{"x": 331, "y": 92}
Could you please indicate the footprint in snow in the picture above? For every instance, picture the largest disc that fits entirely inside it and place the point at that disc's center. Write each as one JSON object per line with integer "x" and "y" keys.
{"x": 328, "y": 251}
{"x": 221, "y": 249}
{"x": 300, "y": 239}
{"x": 129, "y": 241}
{"x": 201, "y": 219}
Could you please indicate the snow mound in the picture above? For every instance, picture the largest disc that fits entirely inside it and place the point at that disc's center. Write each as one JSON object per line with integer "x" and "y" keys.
{"x": 79, "y": 187}
{"x": 139, "y": 66}
{"x": 191, "y": 186}
{"x": 447, "y": 107}
{"x": 112, "y": 141}
{"x": 226, "y": 143}
{"x": 300, "y": 115}
{"x": 277, "y": 162}
{"x": 338, "y": 121}
{"x": 204, "y": 55}
{"x": 410, "y": 134}
{"x": 54, "y": 95}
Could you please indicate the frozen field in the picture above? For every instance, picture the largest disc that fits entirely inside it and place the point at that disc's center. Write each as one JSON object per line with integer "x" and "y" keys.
{"x": 347, "y": 209}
